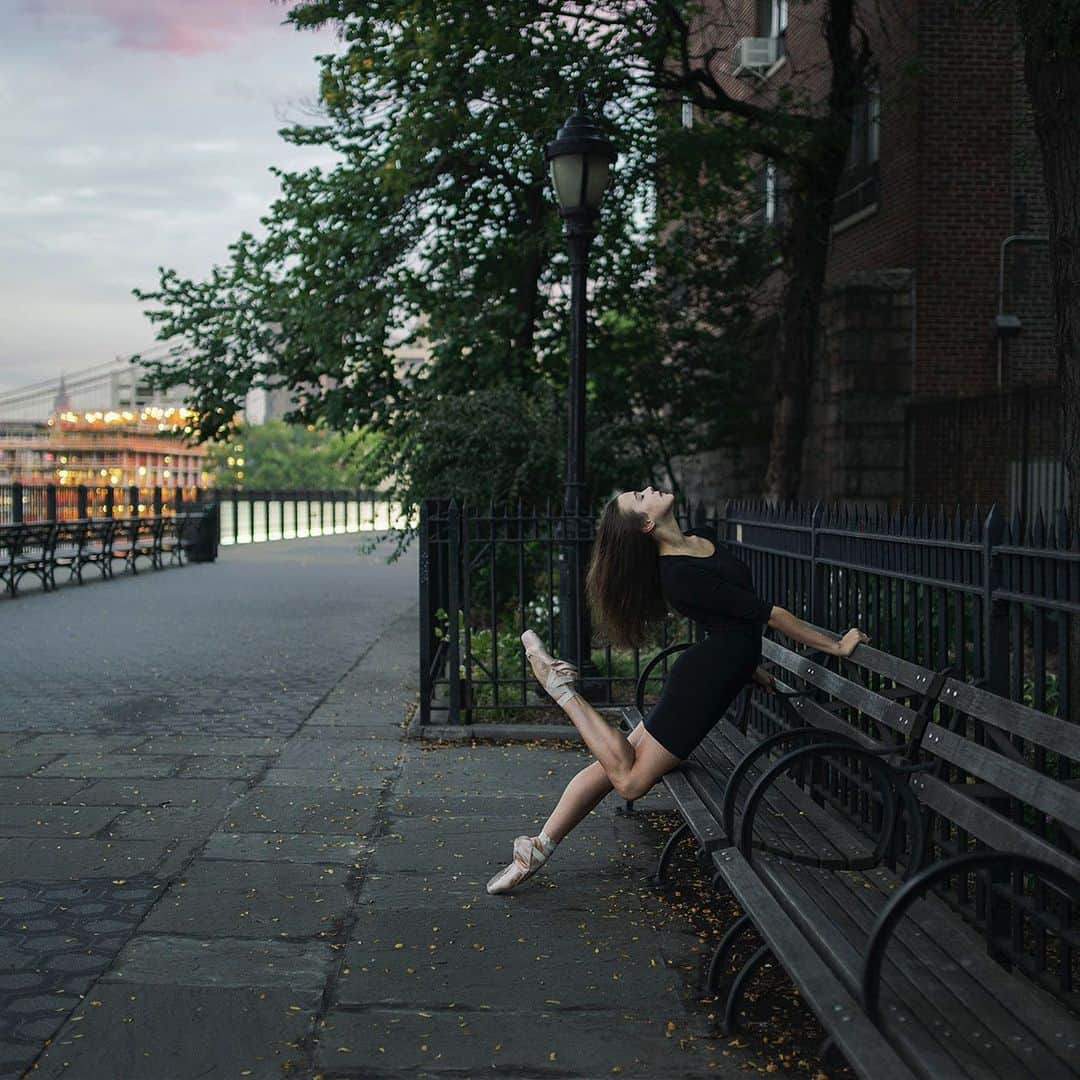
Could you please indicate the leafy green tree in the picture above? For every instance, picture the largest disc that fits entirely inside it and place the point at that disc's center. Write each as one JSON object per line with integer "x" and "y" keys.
{"x": 277, "y": 455}
{"x": 437, "y": 227}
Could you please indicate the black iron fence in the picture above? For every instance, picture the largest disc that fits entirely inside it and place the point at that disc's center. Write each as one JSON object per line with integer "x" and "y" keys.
{"x": 996, "y": 599}
{"x": 59, "y": 502}
{"x": 486, "y": 575}
{"x": 244, "y": 516}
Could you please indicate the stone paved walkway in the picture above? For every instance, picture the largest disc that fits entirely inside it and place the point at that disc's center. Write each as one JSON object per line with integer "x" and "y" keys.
{"x": 221, "y": 858}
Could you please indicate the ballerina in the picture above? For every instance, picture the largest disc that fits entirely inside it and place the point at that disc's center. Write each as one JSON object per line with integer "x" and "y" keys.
{"x": 643, "y": 563}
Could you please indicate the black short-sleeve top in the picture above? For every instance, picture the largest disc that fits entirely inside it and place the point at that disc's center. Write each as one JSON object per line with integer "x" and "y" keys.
{"x": 715, "y": 590}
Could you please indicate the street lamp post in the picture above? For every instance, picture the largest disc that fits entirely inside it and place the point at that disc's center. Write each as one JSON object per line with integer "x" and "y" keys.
{"x": 580, "y": 158}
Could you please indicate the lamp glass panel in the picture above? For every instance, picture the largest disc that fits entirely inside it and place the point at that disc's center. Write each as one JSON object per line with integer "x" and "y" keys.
{"x": 566, "y": 176}
{"x": 599, "y": 168}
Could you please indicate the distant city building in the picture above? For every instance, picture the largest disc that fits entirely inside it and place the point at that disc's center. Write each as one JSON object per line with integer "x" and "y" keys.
{"x": 103, "y": 427}
{"x": 102, "y": 449}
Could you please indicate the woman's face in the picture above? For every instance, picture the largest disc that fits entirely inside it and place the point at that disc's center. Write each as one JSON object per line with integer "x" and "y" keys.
{"x": 648, "y": 501}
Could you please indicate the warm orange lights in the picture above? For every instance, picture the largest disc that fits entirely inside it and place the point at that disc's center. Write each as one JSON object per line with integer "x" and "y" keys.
{"x": 162, "y": 419}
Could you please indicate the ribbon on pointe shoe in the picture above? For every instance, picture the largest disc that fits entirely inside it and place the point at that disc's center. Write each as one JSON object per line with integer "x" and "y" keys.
{"x": 528, "y": 858}
{"x": 559, "y": 680}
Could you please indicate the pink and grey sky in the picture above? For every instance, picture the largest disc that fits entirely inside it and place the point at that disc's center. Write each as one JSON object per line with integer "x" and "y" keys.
{"x": 135, "y": 134}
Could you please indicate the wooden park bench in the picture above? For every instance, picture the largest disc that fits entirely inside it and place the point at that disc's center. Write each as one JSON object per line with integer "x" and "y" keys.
{"x": 41, "y": 548}
{"x": 26, "y": 549}
{"x": 82, "y": 542}
{"x": 138, "y": 537}
{"x": 839, "y": 818}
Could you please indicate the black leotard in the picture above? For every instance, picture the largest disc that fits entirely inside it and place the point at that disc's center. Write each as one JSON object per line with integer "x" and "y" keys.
{"x": 717, "y": 591}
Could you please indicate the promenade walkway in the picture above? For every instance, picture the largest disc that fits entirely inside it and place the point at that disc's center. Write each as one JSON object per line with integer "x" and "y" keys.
{"x": 220, "y": 857}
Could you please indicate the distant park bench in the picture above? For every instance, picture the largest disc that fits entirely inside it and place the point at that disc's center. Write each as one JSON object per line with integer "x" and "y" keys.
{"x": 41, "y": 548}
{"x": 823, "y": 829}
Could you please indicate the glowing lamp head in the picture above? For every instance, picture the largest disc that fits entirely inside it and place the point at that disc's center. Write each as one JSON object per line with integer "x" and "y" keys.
{"x": 580, "y": 158}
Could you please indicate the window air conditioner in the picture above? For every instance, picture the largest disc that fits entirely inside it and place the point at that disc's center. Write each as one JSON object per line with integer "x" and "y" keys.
{"x": 752, "y": 53}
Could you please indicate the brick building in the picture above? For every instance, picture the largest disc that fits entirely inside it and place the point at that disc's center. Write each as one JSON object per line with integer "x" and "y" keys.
{"x": 940, "y": 227}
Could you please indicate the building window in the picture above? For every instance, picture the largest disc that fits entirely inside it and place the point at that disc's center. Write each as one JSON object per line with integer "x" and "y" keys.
{"x": 687, "y": 113}
{"x": 859, "y": 186}
{"x": 772, "y": 22}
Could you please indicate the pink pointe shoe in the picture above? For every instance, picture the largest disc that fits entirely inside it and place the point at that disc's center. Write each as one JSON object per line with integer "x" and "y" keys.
{"x": 559, "y": 678}
{"x": 528, "y": 858}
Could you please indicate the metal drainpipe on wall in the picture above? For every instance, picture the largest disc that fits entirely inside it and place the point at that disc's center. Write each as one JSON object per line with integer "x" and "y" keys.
{"x": 1019, "y": 238}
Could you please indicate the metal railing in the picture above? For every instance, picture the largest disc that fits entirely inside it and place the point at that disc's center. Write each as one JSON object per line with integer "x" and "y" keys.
{"x": 486, "y": 575}
{"x": 256, "y": 516}
{"x": 995, "y": 599}
{"x": 29, "y": 503}
{"x": 244, "y": 516}
{"x": 992, "y": 598}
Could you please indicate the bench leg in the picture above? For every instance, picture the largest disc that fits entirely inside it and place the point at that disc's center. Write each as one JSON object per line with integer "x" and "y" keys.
{"x": 669, "y": 851}
{"x": 830, "y": 1054}
{"x": 721, "y": 955}
{"x": 746, "y": 973}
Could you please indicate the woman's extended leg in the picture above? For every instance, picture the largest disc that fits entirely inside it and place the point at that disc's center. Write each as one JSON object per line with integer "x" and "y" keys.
{"x": 632, "y": 769}
{"x": 585, "y": 790}
{"x": 583, "y": 794}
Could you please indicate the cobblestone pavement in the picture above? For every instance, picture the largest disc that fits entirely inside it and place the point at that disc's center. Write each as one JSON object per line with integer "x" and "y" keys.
{"x": 220, "y": 858}
{"x": 135, "y": 714}
{"x": 243, "y": 646}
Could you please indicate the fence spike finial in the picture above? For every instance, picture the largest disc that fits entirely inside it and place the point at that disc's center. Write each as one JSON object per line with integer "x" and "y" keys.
{"x": 1016, "y": 527}
{"x": 1038, "y": 530}
{"x": 1061, "y": 528}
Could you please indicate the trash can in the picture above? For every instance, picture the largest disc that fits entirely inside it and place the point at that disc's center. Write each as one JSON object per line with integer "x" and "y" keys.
{"x": 205, "y": 547}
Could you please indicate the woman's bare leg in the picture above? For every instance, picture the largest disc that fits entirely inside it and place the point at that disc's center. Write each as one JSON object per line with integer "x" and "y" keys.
{"x": 609, "y": 746}
{"x": 583, "y": 794}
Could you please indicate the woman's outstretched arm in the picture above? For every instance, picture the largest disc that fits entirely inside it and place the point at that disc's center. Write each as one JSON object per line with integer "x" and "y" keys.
{"x": 781, "y": 619}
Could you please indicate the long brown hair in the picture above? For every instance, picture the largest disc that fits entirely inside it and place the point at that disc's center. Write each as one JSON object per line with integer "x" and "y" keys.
{"x": 623, "y": 580}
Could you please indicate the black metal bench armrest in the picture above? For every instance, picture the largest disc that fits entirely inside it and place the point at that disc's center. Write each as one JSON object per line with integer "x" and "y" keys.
{"x": 639, "y": 691}
{"x": 896, "y": 908}
{"x": 882, "y": 771}
{"x": 758, "y": 750}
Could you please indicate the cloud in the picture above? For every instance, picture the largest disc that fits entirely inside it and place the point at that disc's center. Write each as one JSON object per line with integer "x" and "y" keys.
{"x": 184, "y": 27}
{"x": 116, "y": 163}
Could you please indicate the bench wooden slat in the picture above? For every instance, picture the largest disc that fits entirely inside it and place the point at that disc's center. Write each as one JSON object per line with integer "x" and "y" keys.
{"x": 835, "y": 927}
{"x": 818, "y": 717}
{"x": 703, "y": 825}
{"x": 889, "y": 713}
{"x": 819, "y": 833}
{"x": 868, "y": 1052}
{"x": 987, "y": 824}
{"x": 1020, "y": 781}
{"x": 933, "y": 934}
{"x": 1049, "y": 732}
{"x": 971, "y": 998}
{"x": 825, "y": 828}
{"x": 887, "y": 665}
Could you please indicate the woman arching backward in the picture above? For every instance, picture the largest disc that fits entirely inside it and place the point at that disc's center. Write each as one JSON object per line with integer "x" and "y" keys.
{"x": 642, "y": 564}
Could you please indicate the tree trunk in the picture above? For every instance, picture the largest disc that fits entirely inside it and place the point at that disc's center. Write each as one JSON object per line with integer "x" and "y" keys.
{"x": 1051, "y": 33}
{"x": 808, "y": 243}
{"x": 806, "y": 249}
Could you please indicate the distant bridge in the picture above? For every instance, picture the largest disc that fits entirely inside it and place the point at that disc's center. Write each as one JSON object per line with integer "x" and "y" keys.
{"x": 114, "y": 384}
